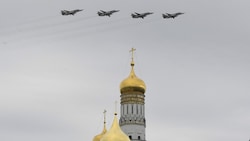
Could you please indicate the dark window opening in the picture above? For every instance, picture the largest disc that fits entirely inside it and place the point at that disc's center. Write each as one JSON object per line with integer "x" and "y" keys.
{"x": 130, "y": 137}
{"x": 132, "y": 109}
{"x": 127, "y": 109}
{"x": 136, "y": 109}
{"x": 139, "y": 138}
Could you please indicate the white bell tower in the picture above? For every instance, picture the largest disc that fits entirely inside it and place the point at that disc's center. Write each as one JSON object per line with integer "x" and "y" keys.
{"x": 132, "y": 120}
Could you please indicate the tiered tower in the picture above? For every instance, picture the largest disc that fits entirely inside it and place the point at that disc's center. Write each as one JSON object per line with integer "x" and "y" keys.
{"x": 132, "y": 120}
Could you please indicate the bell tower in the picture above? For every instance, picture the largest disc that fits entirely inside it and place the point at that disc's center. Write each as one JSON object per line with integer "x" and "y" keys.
{"x": 132, "y": 120}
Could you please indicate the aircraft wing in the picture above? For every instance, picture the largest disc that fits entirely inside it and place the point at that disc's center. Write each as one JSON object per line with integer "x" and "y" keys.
{"x": 137, "y": 13}
{"x": 103, "y": 11}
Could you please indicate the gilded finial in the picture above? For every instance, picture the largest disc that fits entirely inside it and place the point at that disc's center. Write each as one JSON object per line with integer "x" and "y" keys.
{"x": 132, "y": 58}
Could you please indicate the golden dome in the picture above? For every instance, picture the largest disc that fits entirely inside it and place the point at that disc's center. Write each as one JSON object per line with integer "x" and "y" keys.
{"x": 132, "y": 83}
{"x": 115, "y": 133}
{"x": 99, "y": 136}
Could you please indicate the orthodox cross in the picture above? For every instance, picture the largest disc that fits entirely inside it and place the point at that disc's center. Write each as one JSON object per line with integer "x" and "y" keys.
{"x": 104, "y": 112}
{"x": 132, "y": 51}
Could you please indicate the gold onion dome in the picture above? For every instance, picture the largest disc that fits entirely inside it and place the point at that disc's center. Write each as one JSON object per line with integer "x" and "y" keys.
{"x": 132, "y": 83}
{"x": 99, "y": 136}
{"x": 115, "y": 133}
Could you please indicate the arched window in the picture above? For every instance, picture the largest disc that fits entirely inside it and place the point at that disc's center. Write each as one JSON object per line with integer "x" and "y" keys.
{"x": 130, "y": 137}
{"x": 139, "y": 137}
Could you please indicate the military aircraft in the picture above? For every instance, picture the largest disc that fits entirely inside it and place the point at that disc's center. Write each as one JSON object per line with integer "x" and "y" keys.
{"x": 140, "y": 15}
{"x": 70, "y": 12}
{"x": 106, "y": 13}
{"x": 167, "y": 15}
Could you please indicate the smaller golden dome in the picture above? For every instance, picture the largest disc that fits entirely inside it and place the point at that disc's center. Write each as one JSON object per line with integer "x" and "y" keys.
{"x": 132, "y": 83}
{"x": 99, "y": 136}
{"x": 115, "y": 133}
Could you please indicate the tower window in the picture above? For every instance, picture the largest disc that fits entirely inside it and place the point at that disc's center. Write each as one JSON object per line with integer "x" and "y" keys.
{"x": 130, "y": 137}
{"x": 123, "y": 111}
{"x": 132, "y": 109}
{"x": 127, "y": 109}
{"x": 136, "y": 109}
{"x": 139, "y": 137}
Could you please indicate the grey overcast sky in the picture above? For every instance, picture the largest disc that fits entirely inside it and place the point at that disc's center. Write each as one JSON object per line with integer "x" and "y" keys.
{"x": 58, "y": 73}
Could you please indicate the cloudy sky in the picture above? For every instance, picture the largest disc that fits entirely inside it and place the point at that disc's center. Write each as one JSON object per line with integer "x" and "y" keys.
{"x": 58, "y": 73}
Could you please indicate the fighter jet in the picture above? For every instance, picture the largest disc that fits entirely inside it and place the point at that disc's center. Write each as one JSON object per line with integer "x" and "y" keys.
{"x": 106, "y": 13}
{"x": 167, "y": 15}
{"x": 70, "y": 12}
{"x": 142, "y": 15}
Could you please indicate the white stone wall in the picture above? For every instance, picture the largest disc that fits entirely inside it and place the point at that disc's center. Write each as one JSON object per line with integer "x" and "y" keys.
{"x": 135, "y": 131}
{"x": 132, "y": 120}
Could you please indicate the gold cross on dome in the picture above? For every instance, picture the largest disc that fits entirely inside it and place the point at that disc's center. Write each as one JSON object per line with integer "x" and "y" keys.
{"x": 132, "y": 50}
{"x": 104, "y": 112}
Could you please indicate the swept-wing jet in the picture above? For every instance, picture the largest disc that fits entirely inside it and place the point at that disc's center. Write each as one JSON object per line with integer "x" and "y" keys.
{"x": 167, "y": 15}
{"x": 106, "y": 13}
{"x": 140, "y": 15}
{"x": 70, "y": 12}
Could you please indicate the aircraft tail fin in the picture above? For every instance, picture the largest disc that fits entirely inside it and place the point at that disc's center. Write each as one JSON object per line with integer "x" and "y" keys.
{"x": 99, "y": 13}
{"x": 164, "y": 16}
{"x": 63, "y": 12}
